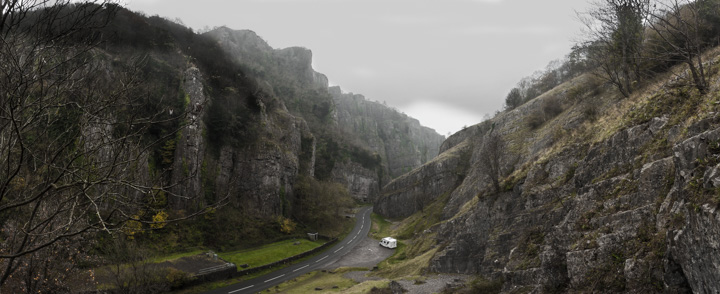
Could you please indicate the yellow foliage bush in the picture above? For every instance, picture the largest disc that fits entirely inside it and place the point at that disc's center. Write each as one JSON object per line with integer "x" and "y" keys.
{"x": 287, "y": 225}
{"x": 132, "y": 227}
{"x": 159, "y": 220}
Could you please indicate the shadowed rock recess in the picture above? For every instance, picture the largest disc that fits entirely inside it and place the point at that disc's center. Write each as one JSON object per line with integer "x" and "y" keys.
{"x": 626, "y": 202}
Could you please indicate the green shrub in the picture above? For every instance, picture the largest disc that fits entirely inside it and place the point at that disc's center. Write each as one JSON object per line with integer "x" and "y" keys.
{"x": 552, "y": 107}
{"x": 590, "y": 112}
{"x": 535, "y": 120}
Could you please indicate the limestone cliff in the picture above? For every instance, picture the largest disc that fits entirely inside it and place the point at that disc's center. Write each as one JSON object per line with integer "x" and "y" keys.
{"x": 250, "y": 50}
{"x": 190, "y": 146}
{"x": 260, "y": 178}
{"x": 257, "y": 177}
{"x": 363, "y": 184}
{"x": 400, "y": 140}
{"x": 623, "y": 202}
{"x": 342, "y": 123}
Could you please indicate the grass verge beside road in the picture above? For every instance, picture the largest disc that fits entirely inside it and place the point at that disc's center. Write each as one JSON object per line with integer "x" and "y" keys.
{"x": 380, "y": 227}
{"x": 270, "y": 253}
{"x": 239, "y": 258}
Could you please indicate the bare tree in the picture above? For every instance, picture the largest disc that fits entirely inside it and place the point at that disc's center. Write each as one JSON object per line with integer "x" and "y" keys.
{"x": 73, "y": 156}
{"x": 676, "y": 26}
{"x": 615, "y": 37}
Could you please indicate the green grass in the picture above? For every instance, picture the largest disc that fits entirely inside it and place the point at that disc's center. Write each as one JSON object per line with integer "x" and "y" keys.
{"x": 268, "y": 249}
{"x": 380, "y": 227}
{"x": 398, "y": 256}
{"x": 224, "y": 283}
{"x": 402, "y": 267}
{"x": 422, "y": 220}
{"x": 269, "y": 253}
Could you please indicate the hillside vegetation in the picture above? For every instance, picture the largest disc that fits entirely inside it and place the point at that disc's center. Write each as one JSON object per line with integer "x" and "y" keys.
{"x": 599, "y": 190}
{"x": 124, "y": 136}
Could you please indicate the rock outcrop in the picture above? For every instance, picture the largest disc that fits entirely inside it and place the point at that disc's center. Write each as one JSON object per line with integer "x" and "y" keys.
{"x": 249, "y": 49}
{"x": 362, "y": 183}
{"x": 190, "y": 146}
{"x": 623, "y": 207}
{"x": 400, "y": 140}
{"x": 413, "y": 191}
{"x": 258, "y": 178}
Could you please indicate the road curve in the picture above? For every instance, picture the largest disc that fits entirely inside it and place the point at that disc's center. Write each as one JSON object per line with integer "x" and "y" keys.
{"x": 361, "y": 229}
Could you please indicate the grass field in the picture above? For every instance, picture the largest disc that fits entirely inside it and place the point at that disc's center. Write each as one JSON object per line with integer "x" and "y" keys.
{"x": 269, "y": 253}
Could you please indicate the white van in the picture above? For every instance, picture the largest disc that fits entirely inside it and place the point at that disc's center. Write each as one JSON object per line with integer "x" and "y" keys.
{"x": 388, "y": 242}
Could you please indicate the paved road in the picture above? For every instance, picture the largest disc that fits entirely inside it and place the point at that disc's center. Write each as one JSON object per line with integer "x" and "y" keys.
{"x": 361, "y": 229}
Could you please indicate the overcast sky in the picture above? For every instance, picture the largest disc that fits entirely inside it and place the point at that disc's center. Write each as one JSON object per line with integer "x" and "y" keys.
{"x": 447, "y": 63}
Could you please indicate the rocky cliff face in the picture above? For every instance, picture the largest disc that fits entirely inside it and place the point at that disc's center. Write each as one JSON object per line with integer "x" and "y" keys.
{"x": 190, "y": 146}
{"x": 257, "y": 178}
{"x": 260, "y": 178}
{"x": 293, "y": 63}
{"x": 415, "y": 190}
{"x": 362, "y": 183}
{"x": 624, "y": 204}
{"x": 400, "y": 140}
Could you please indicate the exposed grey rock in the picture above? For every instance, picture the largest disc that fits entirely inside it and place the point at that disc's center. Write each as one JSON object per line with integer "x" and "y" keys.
{"x": 396, "y": 288}
{"x": 693, "y": 256}
{"x": 259, "y": 178}
{"x": 608, "y": 217}
{"x": 695, "y": 249}
{"x": 413, "y": 191}
{"x": 399, "y": 139}
{"x": 363, "y": 184}
{"x": 190, "y": 147}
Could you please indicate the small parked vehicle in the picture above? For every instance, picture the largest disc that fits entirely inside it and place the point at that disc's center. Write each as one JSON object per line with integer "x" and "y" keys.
{"x": 388, "y": 242}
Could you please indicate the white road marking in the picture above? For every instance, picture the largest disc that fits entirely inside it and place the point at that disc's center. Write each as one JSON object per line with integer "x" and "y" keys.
{"x": 362, "y": 225}
{"x": 297, "y": 269}
{"x": 238, "y": 290}
{"x": 280, "y": 276}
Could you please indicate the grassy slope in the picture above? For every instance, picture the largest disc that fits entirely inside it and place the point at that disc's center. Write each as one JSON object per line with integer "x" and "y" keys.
{"x": 270, "y": 253}
{"x": 683, "y": 106}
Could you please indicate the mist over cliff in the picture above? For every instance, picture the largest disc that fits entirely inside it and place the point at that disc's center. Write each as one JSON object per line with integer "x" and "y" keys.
{"x": 381, "y": 142}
